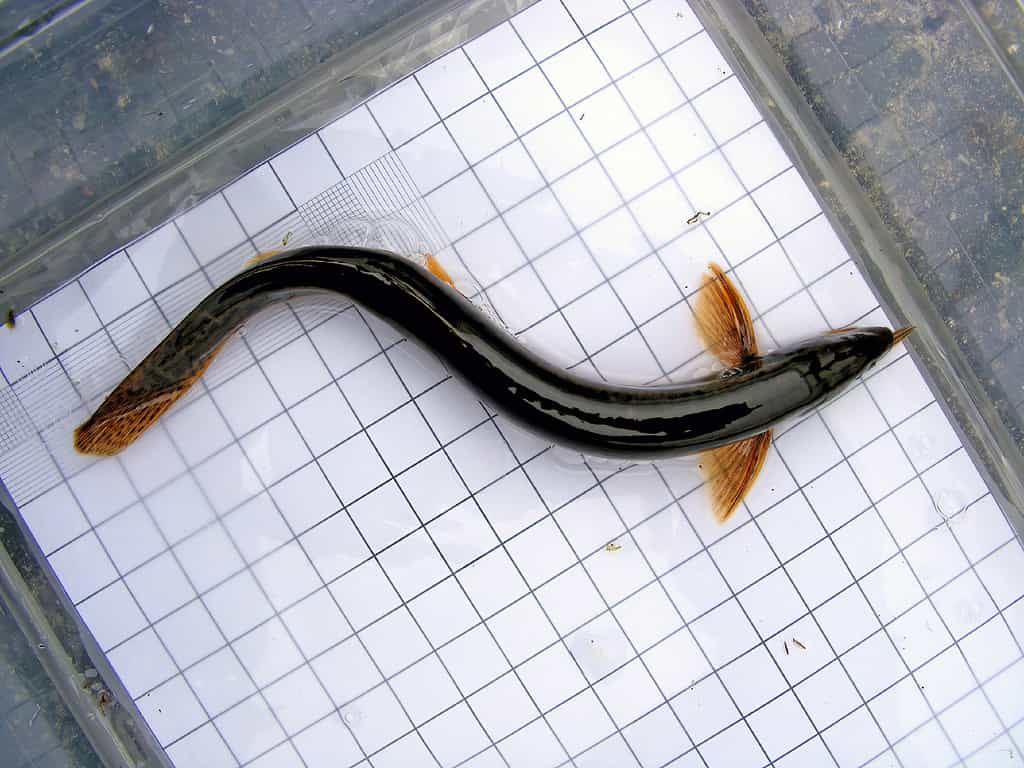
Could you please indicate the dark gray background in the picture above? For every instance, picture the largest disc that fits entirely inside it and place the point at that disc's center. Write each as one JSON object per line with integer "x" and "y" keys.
{"x": 932, "y": 125}
{"x": 118, "y": 88}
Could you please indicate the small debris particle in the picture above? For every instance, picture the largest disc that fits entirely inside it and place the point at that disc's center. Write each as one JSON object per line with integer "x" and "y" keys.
{"x": 156, "y": 112}
{"x": 123, "y": 100}
{"x": 286, "y": 238}
{"x": 697, "y": 216}
{"x": 149, "y": 29}
{"x": 785, "y": 645}
{"x": 679, "y": 14}
{"x": 32, "y": 720}
{"x": 611, "y": 546}
{"x": 582, "y": 115}
{"x": 9, "y": 319}
{"x": 799, "y": 645}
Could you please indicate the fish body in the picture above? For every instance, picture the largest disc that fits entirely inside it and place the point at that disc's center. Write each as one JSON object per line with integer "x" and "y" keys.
{"x": 731, "y": 410}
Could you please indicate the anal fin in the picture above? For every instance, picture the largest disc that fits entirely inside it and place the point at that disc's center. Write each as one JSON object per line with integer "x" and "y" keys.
{"x": 731, "y": 470}
{"x": 723, "y": 319}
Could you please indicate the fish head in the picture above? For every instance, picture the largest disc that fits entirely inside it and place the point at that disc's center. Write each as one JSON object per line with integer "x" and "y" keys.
{"x": 839, "y": 357}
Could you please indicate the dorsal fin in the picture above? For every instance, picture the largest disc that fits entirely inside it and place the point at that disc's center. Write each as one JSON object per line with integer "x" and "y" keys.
{"x": 731, "y": 470}
{"x": 431, "y": 263}
{"x": 435, "y": 268}
{"x": 262, "y": 256}
{"x": 723, "y": 319}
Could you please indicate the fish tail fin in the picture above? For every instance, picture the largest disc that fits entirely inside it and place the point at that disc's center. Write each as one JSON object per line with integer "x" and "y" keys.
{"x": 435, "y": 268}
{"x": 261, "y": 256}
{"x": 731, "y": 470}
{"x": 723, "y": 319}
{"x": 129, "y": 410}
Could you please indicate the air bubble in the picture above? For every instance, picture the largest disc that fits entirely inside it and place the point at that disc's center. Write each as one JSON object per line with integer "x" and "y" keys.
{"x": 948, "y": 503}
{"x": 970, "y": 612}
{"x": 919, "y": 447}
{"x": 588, "y": 650}
{"x": 352, "y": 716}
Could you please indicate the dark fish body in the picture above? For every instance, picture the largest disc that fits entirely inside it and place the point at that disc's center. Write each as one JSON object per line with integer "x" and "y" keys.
{"x": 596, "y": 418}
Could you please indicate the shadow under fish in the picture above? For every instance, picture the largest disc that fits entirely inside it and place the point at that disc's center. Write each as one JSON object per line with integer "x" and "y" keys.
{"x": 726, "y": 417}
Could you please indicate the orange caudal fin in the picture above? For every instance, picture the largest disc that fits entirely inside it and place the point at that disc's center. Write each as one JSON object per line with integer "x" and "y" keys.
{"x": 437, "y": 270}
{"x": 730, "y": 472}
{"x": 262, "y": 256}
{"x": 130, "y": 409}
{"x": 723, "y": 319}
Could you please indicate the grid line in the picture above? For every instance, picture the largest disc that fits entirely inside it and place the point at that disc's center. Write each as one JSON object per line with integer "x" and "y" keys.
{"x": 672, "y": 504}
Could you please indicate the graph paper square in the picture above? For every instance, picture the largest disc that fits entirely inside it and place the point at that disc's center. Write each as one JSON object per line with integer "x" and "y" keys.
{"x": 331, "y": 554}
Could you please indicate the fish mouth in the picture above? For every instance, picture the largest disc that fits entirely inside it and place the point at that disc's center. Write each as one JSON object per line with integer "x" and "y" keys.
{"x": 901, "y": 333}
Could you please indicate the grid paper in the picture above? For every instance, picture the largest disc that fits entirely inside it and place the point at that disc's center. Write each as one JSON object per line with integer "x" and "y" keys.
{"x": 330, "y": 554}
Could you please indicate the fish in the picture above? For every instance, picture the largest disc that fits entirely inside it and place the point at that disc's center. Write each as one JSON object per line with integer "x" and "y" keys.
{"x": 725, "y": 417}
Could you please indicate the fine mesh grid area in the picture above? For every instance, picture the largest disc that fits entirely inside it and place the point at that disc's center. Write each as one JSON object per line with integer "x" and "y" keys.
{"x": 331, "y": 555}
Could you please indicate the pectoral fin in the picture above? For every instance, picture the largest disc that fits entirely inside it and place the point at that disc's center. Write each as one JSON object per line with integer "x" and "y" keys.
{"x": 723, "y": 319}
{"x": 724, "y": 324}
{"x": 731, "y": 470}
